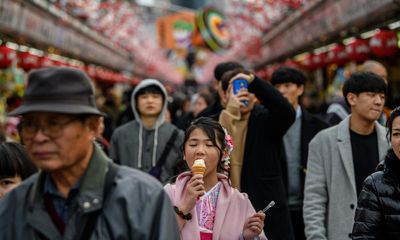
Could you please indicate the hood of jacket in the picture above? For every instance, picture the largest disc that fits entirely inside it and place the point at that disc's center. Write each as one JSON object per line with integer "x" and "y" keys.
{"x": 159, "y": 121}
{"x": 146, "y": 83}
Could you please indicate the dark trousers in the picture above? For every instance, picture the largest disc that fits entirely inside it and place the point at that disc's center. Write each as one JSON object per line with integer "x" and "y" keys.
{"x": 298, "y": 224}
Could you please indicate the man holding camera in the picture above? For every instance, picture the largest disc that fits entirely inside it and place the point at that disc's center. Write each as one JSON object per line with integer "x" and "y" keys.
{"x": 257, "y": 130}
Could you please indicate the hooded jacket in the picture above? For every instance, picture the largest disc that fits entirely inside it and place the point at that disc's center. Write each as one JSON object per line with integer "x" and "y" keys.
{"x": 134, "y": 145}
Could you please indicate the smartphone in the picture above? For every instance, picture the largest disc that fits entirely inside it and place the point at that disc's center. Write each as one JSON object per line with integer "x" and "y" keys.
{"x": 239, "y": 84}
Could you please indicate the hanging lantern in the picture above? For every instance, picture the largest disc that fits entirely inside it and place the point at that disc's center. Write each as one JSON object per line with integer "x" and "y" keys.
{"x": 318, "y": 60}
{"x": 290, "y": 63}
{"x": 358, "y": 50}
{"x": 45, "y": 62}
{"x": 308, "y": 63}
{"x": 7, "y": 56}
{"x": 28, "y": 61}
{"x": 337, "y": 55}
{"x": 384, "y": 43}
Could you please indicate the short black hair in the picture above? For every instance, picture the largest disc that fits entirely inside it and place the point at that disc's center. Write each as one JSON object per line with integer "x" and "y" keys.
{"x": 224, "y": 67}
{"x": 364, "y": 82}
{"x": 288, "y": 75}
{"x": 150, "y": 89}
{"x": 14, "y": 161}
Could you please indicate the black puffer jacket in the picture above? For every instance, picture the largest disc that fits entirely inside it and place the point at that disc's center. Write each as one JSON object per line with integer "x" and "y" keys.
{"x": 378, "y": 211}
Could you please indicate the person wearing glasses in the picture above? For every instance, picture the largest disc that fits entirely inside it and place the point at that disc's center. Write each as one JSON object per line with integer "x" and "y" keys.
{"x": 79, "y": 193}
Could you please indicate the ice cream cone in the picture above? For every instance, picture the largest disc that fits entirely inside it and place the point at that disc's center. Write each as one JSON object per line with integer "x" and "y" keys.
{"x": 199, "y": 167}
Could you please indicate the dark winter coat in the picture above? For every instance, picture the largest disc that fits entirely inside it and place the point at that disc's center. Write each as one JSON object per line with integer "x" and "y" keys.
{"x": 262, "y": 177}
{"x": 136, "y": 207}
{"x": 378, "y": 210}
{"x": 310, "y": 126}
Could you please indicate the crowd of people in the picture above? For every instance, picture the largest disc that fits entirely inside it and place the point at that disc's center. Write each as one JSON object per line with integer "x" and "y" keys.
{"x": 79, "y": 172}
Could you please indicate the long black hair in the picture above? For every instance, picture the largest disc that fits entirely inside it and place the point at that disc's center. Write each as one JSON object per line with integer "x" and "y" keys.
{"x": 14, "y": 161}
{"x": 389, "y": 124}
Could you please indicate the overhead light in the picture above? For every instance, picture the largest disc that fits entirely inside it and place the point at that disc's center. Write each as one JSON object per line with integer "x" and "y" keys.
{"x": 23, "y": 48}
{"x": 321, "y": 50}
{"x": 146, "y": 3}
{"x": 12, "y": 45}
{"x": 36, "y": 52}
{"x": 369, "y": 34}
{"x": 349, "y": 40}
{"x": 394, "y": 25}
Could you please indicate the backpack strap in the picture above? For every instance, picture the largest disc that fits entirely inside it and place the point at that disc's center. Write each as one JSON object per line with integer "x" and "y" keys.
{"x": 168, "y": 147}
{"x": 92, "y": 218}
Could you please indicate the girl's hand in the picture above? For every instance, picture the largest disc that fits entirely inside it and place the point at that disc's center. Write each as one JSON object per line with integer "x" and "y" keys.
{"x": 254, "y": 225}
{"x": 194, "y": 189}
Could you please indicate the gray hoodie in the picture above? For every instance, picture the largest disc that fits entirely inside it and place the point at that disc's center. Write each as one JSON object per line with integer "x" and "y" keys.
{"x": 134, "y": 145}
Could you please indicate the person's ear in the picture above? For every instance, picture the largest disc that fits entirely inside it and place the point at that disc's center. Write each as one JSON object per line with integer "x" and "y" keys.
{"x": 94, "y": 124}
{"x": 300, "y": 90}
{"x": 352, "y": 98}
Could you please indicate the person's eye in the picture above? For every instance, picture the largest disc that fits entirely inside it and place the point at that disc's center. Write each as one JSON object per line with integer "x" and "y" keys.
{"x": 5, "y": 182}
{"x": 28, "y": 124}
{"x": 54, "y": 122}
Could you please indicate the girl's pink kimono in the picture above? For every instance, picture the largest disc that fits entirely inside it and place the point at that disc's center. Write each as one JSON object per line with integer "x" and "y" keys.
{"x": 232, "y": 210}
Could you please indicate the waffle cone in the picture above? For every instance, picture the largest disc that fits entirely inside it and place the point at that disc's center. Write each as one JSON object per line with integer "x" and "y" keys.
{"x": 198, "y": 170}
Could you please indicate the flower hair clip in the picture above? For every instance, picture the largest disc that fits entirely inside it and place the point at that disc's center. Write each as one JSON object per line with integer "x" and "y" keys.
{"x": 228, "y": 150}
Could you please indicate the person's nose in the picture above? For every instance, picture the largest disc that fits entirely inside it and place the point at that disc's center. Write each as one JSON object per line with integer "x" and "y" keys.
{"x": 200, "y": 150}
{"x": 40, "y": 135}
{"x": 379, "y": 99}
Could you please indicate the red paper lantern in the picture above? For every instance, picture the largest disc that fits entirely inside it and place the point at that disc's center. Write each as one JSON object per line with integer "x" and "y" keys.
{"x": 384, "y": 43}
{"x": 358, "y": 50}
{"x": 291, "y": 63}
{"x": 308, "y": 62}
{"x": 318, "y": 60}
{"x": 28, "y": 61}
{"x": 7, "y": 56}
{"x": 337, "y": 55}
{"x": 45, "y": 62}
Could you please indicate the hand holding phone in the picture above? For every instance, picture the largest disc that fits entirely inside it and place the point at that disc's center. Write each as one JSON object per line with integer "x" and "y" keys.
{"x": 239, "y": 84}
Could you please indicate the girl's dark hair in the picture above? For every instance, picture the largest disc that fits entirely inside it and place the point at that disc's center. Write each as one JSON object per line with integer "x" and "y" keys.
{"x": 14, "y": 161}
{"x": 389, "y": 124}
{"x": 213, "y": 130}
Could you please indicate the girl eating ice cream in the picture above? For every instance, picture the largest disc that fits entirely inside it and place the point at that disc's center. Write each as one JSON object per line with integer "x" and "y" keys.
{"x": 206, "y": 205}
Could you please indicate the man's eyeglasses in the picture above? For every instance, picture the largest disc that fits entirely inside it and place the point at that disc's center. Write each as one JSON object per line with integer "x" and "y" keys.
{"x": 52, "y": 128}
